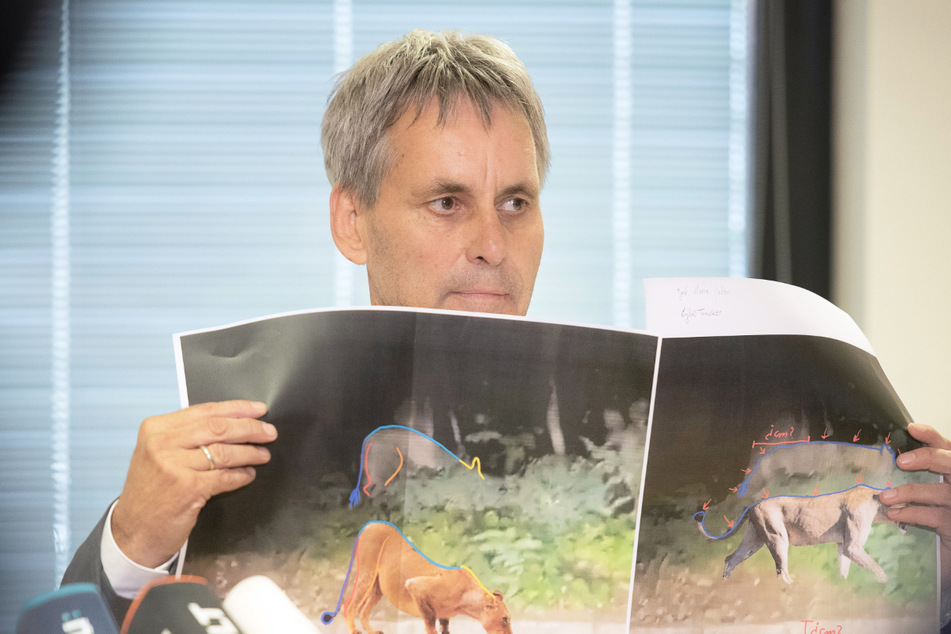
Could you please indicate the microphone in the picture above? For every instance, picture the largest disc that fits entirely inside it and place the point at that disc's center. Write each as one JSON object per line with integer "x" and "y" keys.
{"x": 178, "y": 605}
{"x": 258, "y": 606}
{"x": 76, "y": 608}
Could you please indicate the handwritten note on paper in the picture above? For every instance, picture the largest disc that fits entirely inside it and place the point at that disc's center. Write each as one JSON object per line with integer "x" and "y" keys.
{"x": 703, "y": 299}
{"x": 716, "y": 306}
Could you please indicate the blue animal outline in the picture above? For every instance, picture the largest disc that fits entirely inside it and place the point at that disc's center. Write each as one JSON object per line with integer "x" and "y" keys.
{"x": 744, "y": 486}
{"x": 328, "y": 616}
{"x": 736, "y": 525}
{"x": 355, "y": 494}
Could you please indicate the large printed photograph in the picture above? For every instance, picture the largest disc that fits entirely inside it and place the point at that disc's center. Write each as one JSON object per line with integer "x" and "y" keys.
{"x": 432, "y": 464}
{"x": 760, "y": 508}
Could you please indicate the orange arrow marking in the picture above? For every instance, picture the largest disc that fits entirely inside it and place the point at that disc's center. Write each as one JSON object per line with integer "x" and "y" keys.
{"x": 387, "y": 483}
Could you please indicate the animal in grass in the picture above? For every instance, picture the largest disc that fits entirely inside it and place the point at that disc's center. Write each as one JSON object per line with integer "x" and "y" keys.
{"x": 844, "y": 518}
{"x": 387, "y": 565}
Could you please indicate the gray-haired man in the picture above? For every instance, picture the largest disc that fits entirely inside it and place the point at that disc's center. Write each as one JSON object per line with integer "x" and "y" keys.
{"x": 437, "y": 151}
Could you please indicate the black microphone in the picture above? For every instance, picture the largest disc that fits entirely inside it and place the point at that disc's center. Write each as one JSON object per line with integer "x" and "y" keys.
{"x": 76, "y": 608}
{"x": 178, "y": 605}
{"x": 259, "y": 606}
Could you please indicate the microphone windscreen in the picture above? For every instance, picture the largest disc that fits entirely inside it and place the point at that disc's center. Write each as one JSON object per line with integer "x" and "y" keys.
{"x": 77, "y": 608}
{"x": 259, "y": 606}
{"x": 178, "y": 605}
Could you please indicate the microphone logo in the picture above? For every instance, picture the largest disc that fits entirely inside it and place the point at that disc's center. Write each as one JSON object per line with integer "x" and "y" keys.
{"x": 212, "y": 619}
{"x": 77, "y": 624}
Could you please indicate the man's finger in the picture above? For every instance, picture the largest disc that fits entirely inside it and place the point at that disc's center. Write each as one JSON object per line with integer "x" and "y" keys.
{"x": 931, "y": 516}
{"x": 231, "y": 479}
{"x": 926, "y": 459}
{"x": 228, "y": 431}
{"x": 928, "y": 435}
{"x": 229, "y": 409}
{"x": 216, "y": 457}
{"x": 933, "y": 494}
{"x": 206, "y": 423}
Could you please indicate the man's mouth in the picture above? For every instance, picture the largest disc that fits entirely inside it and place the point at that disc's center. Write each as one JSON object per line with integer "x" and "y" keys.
{"x": 485, "y": 300}
{"x": 478, "y": 292}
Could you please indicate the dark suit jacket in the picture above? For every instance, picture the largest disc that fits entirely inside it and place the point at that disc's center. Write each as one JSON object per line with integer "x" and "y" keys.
{"x": 86, "y": 566}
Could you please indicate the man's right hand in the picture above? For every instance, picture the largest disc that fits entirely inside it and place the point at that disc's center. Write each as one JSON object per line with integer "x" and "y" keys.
{"x": 170, "y": 478}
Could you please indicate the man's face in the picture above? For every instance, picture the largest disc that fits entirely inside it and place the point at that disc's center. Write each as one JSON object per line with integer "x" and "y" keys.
{"x": 457, "y": 224}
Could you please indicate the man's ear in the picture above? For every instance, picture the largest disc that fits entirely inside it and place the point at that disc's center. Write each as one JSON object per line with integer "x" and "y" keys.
{"x": 346, "y": 231}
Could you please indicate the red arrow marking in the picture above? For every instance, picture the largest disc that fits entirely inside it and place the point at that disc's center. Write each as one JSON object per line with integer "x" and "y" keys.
{"x": 888, "y": 438}
{"x": 706, "y": 505}
{"x": 825, "y": 434}
{"x": 765, "y": 494}
{"x": 859, "y": 477}
{"x": 729, "y": 524}
{"x": 855, "y": 438}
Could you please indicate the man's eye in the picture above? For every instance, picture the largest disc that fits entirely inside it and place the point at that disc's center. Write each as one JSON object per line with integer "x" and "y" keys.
{"x": 443, "y": 205}
{"x": 515, "y": 205}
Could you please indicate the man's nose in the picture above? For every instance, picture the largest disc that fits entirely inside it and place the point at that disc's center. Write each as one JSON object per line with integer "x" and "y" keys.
{"x": 487, "y": 239}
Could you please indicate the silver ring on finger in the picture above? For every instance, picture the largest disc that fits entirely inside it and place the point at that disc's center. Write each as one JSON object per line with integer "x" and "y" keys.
{"x": 211, "y": 459}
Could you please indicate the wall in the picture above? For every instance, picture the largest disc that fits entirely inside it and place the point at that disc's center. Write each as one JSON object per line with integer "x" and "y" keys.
{"x": 892, "y": 157}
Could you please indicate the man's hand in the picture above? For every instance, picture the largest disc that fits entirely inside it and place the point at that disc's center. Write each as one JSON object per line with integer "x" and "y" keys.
{"x": 171, "y": 478}
{"x": 926, "y": 504}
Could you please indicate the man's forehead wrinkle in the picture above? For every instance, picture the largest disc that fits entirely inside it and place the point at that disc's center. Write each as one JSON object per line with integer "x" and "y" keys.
{"x": 440, "y": 186}
{"x": 526, "y": 189}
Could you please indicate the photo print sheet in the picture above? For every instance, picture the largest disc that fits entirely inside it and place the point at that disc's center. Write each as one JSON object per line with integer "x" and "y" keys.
{"x": 773, "y": 430}
{"x": 431, "y": 464}
{"x": 716, "y": 473}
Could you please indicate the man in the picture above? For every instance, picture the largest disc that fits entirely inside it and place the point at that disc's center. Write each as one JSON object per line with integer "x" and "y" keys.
{"x": 437, "y": 151}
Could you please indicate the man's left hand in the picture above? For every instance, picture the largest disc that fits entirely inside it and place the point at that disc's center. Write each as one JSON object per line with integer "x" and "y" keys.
{"x": 926, "y": 504}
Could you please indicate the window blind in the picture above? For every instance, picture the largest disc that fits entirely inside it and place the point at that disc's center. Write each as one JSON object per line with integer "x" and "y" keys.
{"x": 27, "y": 141}
{"x": 160, "y": 171}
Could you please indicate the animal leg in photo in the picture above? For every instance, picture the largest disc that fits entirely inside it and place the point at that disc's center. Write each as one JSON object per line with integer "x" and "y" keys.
{"x": 749, "y": 545}
{"x": 777, "y": 537}
{"x": 853, "y": 546}
{"x": 366, "y": 593}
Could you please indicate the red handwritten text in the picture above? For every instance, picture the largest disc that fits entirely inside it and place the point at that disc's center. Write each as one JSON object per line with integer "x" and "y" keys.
{"x": 814, "y": 627}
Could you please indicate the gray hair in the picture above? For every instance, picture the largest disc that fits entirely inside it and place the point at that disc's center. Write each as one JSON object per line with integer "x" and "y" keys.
{"x": 384, "y": 84}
